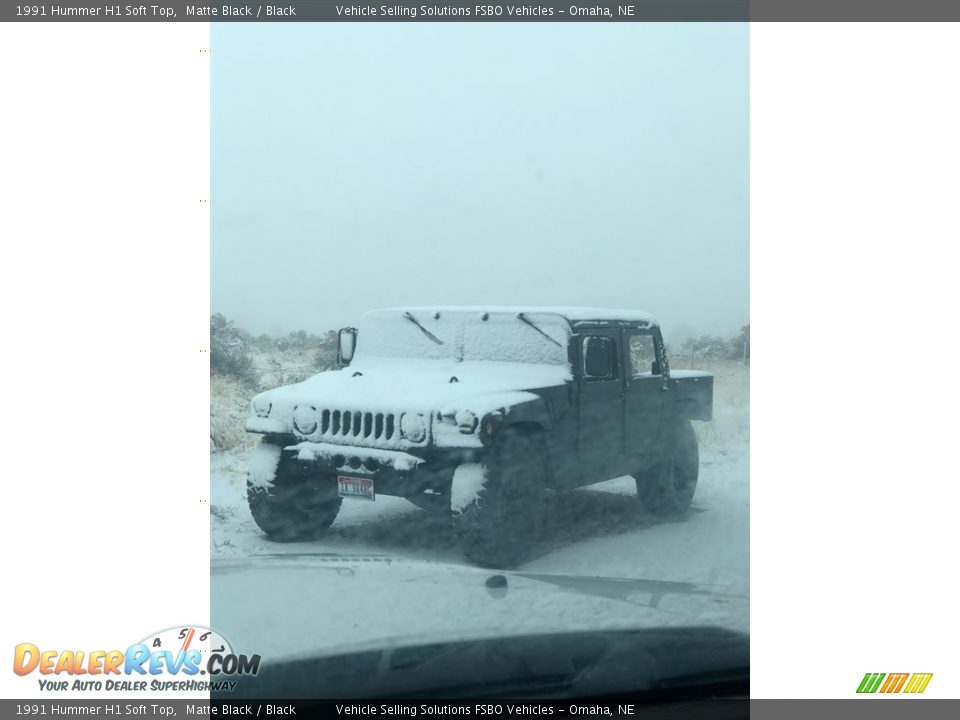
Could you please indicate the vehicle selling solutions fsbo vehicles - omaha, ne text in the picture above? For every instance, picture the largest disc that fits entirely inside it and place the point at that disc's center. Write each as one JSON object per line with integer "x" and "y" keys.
{"x": 475, "y": 412}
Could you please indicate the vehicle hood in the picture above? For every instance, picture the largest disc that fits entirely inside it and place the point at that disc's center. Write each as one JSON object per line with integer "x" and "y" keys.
{"x": 396, "y": 385}
{"x": 305, "y": 605}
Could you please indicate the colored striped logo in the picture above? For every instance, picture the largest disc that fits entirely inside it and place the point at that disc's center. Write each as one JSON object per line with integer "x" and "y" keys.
{"x": 894, "y": 682}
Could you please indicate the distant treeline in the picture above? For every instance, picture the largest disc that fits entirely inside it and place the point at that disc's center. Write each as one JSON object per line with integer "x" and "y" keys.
{"x": 714, "y": 347}
{"x": 237, "y": 354}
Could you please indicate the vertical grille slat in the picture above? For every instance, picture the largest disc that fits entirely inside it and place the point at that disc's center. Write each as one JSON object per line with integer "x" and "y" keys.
{"x": 378, "y": 426}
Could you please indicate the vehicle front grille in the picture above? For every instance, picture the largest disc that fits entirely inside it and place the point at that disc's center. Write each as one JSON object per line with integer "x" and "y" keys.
{"x": 347, "y": 424}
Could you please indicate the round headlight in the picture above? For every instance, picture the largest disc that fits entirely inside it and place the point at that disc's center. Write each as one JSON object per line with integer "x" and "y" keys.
{"x": 466, "y": 421}
{"x": 305, "y": 419}
{"x": 413, "y": 427}
{"x": 261, "y": 406}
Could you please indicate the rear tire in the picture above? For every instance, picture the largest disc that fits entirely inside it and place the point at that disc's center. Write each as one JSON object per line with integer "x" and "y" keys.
{"x": 667, "y": 489}
{"x": 498, "y": 524}
{"x": 296, "y": 505}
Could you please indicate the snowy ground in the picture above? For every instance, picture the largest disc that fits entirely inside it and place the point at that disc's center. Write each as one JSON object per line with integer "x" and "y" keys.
{"x": 390, "y": 574}
{"x": 600, "y": 530}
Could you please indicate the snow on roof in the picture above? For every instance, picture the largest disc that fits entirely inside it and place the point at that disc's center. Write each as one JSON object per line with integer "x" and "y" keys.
{"x": 573, "y": 314}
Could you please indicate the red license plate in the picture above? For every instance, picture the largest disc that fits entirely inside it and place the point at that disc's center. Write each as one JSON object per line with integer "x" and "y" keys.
{"x": 354, "y": 487}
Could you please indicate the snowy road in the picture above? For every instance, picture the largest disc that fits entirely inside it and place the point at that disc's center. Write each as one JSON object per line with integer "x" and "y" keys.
{"x": 390, "y": 573}
{"x": 597, "y": 531}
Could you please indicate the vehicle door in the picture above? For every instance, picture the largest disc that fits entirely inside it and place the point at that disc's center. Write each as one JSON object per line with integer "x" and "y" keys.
{"x": 601, "y": 403}
{"x": 645, "y": 396}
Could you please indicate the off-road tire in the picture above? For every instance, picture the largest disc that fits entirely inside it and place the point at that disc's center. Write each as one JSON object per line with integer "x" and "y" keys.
{"x": 297, "y": 506}
{"x": 667, "y": 489}
{"x": 500, "y": 526}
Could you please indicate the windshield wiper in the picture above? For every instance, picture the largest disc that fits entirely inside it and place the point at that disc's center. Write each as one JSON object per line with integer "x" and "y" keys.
{"x": 521, "y": 316}
{"x": 426, "y": 332}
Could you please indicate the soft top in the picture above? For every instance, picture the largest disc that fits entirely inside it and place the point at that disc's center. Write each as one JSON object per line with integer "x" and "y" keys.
{"x": 571, "y": 314}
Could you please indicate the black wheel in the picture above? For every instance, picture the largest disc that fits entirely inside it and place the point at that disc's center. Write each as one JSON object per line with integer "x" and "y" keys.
{"x": 667, "y": 489}
{"x": 296, "y": 506}
{"x": 499, "y": 522}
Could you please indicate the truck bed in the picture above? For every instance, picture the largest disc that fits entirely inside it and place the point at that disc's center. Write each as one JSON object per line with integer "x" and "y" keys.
{"x": 693, "y": 397}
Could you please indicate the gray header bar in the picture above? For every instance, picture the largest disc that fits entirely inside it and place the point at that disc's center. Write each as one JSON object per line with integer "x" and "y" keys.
{"x": 484, "y": 11}
{"x": 384, "y": 11}
{"x": 124, "y": 706}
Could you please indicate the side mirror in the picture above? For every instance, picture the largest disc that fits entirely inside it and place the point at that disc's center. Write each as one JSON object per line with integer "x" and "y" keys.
{"x": 598, "y": 357}
{"x": 346, "y": 345}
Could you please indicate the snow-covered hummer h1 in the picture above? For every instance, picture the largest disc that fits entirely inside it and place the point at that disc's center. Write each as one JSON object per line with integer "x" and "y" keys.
{"x": 476, "y": 412}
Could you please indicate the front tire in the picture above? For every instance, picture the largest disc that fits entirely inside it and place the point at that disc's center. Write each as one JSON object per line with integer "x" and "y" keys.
{"x": 295, "y": 505}
{"x": 497, "y": 513}
{"x": 667, "y": 489}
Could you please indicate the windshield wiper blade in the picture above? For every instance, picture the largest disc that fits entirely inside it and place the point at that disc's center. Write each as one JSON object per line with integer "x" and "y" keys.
{"x": 426, "y": 332}
{"x": 524, "y": 318}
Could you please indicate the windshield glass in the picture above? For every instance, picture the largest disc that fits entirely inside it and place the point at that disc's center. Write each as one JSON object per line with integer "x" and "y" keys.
{"x": 464, "y": 335}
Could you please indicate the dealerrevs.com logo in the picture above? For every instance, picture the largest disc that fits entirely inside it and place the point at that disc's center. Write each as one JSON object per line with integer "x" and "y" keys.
{"x": 191, "y": 658}
{"x": 910, "y": 683}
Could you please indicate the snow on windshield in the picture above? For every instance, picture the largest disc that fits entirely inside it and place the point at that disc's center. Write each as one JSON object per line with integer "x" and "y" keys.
{"x": 464, "y": 335}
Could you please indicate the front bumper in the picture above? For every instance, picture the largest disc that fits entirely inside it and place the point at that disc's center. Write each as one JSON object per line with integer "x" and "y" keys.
{"x": 393, "y": 472}
{"x": 348, "y": 458}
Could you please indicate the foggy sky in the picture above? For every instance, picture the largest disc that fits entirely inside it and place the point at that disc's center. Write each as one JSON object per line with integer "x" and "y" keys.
{"x": 357, "y": 166}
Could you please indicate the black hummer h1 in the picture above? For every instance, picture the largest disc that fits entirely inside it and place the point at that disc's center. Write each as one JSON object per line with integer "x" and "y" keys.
{"x": 476, "y": 411}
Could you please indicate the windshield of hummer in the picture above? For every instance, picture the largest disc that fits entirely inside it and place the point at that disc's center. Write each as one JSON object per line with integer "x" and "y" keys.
{"x": 464, "y": 335}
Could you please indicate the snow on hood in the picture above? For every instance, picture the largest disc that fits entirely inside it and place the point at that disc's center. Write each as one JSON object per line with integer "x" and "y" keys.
{"x": 415, "y": 359}
{"x": 396, "y": 384}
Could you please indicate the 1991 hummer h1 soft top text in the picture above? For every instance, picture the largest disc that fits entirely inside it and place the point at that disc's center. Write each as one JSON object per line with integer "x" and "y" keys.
{"x": 476, "y": 411}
